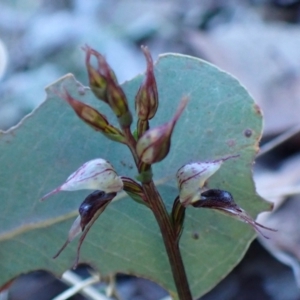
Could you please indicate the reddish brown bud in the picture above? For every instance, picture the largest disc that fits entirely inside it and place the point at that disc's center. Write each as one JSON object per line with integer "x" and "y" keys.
{"x": 86, "y": 113}
{"x": 97, "y": 77}
{"x": 146, "y": 100}
{"x": 93, "y": 118}
{"x": 154, "y": 145}
{"x": 118, "y": 103}
{"x": 104, "y": 85}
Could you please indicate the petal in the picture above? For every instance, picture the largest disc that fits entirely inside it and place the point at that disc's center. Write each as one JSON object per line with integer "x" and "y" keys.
{"x": 192, "y": 177}
{"x": 89, "y": 210}
{"x": 97, "y": 174}
{"x": 223, "y": 201}
{"x": 75, "y": 230}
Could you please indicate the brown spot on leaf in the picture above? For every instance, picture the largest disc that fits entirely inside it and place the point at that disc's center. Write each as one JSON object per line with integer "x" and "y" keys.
{"x": 257, "y": 109}
{"x": 124, "y": 164}
{"x": 256, "y": 149}
{"x": 231, "y": 143}
{"x": 195, "y": 235}
{"x": 248, "y": 132}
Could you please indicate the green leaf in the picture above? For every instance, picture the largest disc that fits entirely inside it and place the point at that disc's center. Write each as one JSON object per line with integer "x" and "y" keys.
{"x": 221, "y": 119}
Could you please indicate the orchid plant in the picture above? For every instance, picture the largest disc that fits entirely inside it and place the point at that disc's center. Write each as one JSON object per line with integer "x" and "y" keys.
{"x": 148, "y": 146}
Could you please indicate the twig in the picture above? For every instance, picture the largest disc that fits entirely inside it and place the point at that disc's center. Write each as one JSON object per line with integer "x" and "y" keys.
{"x": 80, "y": 285}
{"x": 279, "y": 140}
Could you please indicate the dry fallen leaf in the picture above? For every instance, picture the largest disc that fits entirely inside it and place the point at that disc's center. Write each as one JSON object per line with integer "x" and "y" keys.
{"x": 278, "y": 186}
{"x": 266, "y": 59}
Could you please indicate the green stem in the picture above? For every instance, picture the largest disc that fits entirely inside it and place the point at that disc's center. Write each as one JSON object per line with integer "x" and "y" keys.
{"x": 170, "y": 240}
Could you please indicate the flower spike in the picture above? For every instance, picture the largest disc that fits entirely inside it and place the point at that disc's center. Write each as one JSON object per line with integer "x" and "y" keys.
{"x": 98, "y": 77}
{"x": 105, "y": 87}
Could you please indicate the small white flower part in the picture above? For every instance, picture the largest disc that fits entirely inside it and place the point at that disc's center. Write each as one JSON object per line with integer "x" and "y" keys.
{"x": 75, "y": 230}
{"x": 97, "y": 174}
{"x": 192, "y": 177}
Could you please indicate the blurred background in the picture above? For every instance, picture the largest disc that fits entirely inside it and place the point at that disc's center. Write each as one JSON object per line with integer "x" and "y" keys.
{"x": 257, "y": 41}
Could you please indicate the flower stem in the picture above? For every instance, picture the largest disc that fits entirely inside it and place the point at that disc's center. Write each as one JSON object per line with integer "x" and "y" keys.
{"x": 169, "y": 235}
{"x": 131, "y": 143}
{"x": 170, "y": 240}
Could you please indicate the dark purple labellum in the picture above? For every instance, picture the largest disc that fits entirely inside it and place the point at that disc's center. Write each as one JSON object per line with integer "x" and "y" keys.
{"x": 223, "y": 201}
{"x": 91, "y": 204}
{"x": 89, "y": 211}
{"x": 217, "y": 199}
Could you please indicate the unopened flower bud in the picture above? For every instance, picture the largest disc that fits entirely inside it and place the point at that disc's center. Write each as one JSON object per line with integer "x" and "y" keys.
{"x": 105, "y": 86}
{"x": 97, "y": 174}
{"x": 155, "y": 143}
{"x": 192, "y": 177}
{"x": 98, "y": 77}
{"x": 223, "y": 201}
{"x": 93, "y": 118}
{"x": 118, "y": 103}
{"x": 146, "y": 100}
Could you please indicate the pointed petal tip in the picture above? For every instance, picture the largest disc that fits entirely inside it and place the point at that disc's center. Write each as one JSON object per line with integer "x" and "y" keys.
{"x": 258, "y": 230}
{"x": 61, "y": 249}
{"x": 257, "y": 226}
{"x": 85, "y": 48}
{"x": 75, "y": 265}
{"x": 265, "y": 227}
{"x": 50, "y": 194}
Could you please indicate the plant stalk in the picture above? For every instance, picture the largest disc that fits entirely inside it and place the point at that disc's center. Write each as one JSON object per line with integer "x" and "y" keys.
{"x": 131, "y": 143}
{"x": 170, "y": 240}
{"x": 164, "y": 222}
